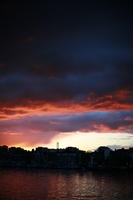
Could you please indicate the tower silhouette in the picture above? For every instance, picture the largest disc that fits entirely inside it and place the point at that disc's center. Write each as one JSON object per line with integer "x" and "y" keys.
{"x": 57, "y": 145}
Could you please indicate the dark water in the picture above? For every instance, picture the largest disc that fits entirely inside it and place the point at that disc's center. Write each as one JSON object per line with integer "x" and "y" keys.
{"x": 62, "y": 185}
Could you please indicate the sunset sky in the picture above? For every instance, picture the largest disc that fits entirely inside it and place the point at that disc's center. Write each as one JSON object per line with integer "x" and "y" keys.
{"x": 66, "y": 74}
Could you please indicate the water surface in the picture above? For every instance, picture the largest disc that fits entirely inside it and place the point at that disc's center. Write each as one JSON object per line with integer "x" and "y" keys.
{"x": 64, "y": 185}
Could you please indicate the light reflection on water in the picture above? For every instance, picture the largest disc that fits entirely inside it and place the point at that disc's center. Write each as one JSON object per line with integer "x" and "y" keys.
{"x": 62, "y": 185}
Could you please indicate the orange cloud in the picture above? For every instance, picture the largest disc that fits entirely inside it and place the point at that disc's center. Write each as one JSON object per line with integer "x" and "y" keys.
{"x": 118, "y": 100}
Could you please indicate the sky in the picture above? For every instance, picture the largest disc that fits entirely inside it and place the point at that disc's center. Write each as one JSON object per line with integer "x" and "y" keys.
{"x": 66, "y": 74}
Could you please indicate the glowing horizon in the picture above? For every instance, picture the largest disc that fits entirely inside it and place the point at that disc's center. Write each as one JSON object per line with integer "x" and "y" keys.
{"x": 86, "y": 141}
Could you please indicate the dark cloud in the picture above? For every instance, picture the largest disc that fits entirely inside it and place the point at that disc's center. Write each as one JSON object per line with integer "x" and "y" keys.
{"x": 64, "y": 50}
{"x": 72, "y": 86}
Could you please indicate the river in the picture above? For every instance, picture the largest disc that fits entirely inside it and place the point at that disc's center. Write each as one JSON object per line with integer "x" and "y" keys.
{"x": 65, "y": 185}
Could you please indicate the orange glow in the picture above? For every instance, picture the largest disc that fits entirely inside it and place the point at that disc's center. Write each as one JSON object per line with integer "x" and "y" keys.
{"x": 118, "y": 100}
{"x": 14, "y": 132}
